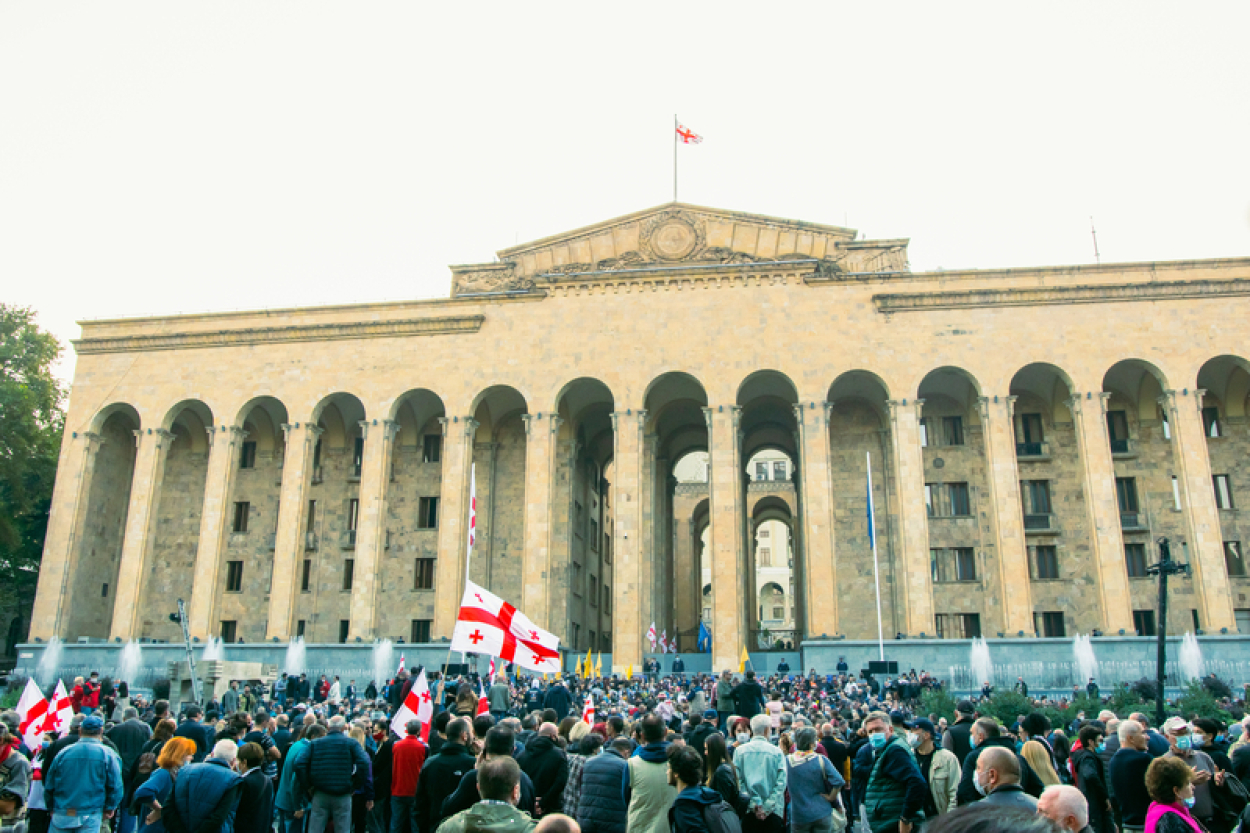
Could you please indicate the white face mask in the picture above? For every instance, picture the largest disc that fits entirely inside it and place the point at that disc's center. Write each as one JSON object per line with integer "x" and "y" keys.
{"x": 743, "y": 737}
{"x": 976, "y": 782}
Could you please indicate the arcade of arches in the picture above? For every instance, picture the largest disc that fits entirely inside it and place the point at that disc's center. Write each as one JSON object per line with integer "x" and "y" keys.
{"x": 655, "y": 459}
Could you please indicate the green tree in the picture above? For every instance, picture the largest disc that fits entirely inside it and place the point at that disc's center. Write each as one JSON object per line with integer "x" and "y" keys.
{"x": 32, "y": 417}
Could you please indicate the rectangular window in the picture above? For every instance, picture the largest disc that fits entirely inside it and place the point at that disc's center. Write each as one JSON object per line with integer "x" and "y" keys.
{"x": 229, "y": 630}
{"x": 924, "y": 433}
{"x": 1163, "y": 421}
{"x": 1144, "y": 622}
{"x": 607, "y": 546}
{"x": 960, "y": 505}
{"x": 594, "y": 591}
{"x": 241, "y": 510}
{"x": 431, "y": 448}
{"x": 1117, "y": 431}
{"x": 312, "y": 516}
{"x": 1126, "y": 494}
{"x": 952, "y": 430}
{"x": 1176, "y": 493}
{"x": 1135, "y": 560}
{"x": 301, "y": 627}
{"x": 305, "y": 580}
{"x": 345, "y": 625}
{"x": 1242, "y": 617}
{"x": 424, "y": 574}
{"x": 594, "y": 534}
{"x": 779, "y": 470}
{"x": 358, "y": 456}
{"x": 353, "y": 513}
{"x": 427, "y": 513}
{"x": 577, "y": 518}
{"x": 234, "y": 576}
{"x": 930, "y": 499}
{"x": 965, "y": 564}
{"x": 958, "y": 625}
{"x": 104, "y": 590}
{"x": 763, "y": 533}
{"x": 779, "y": 613}
{"x": 1193, "y": 614}
{"x": 1038, "y": 495}
{"x": 247, "y": 454}
{"x": 764, "y": 553}
{"x": 1211, "y": 421}
{"x": 1045, "y": 561}
{"x": 349, "y": 572}
{"x": 1223, "y": 492}
{"x": 1031, "y": 429}
{"x": 761, "y": 471}
{"x": 1049, "y": 623}
{"x": 607, "y": 601}
{"x": 1233, "y": 560}
{"x": 420, "y": 630}
{"x": 956, "y": 564}
{"x": 577, "y": 579}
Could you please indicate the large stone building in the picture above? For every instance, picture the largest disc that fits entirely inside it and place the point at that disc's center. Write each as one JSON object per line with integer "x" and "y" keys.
{"x": 307, "y": 471}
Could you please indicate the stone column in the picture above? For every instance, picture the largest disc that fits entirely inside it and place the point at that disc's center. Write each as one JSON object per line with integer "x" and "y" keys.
{"x": 915, "y": 583}
{"x": 1098, "y": 481}
{"x": 646, "y": 540}
{"x": 1206, "y": 539}
{"x": 627, "y": 545}
{"x": 145, "y": 494}
{"x": 1003, "y": 479}
{"x": 223, "y": 459}
{"x": 686, "y": 574}
{"x": 560, "y": 611}
{"x": 375, "y": 481}
{"x": 70, "y": 499}
{"x": 727, "y": 546}
{"x": 540, "y": 475}
{"x": 816, "y": 535}
{"x": 301, "y": 439}
{"x": 453, "y": 532}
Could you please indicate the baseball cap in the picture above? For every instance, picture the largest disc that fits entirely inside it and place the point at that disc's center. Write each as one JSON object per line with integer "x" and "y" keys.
{"x": 1175, "y": 724}
{"x": 708, "y": 714}
{"x": 965, "y": 707}
{"x": 924, "y": 724}
{"x": 92, "y": 723}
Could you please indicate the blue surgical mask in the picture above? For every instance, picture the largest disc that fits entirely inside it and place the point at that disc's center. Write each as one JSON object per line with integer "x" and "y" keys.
{"x": 877, "y": 739}
{"x": 1191, "y": 801}
{"x": 972, "y": 742}
{"x": 1101, "y": 748}
{"x": 1184, "y": 742}
{"x": 1019, "y": 745}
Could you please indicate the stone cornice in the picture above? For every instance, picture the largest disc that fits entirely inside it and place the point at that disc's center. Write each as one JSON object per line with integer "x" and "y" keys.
{"x": 1052, "y": 295}
{"x": 407, "y": 327}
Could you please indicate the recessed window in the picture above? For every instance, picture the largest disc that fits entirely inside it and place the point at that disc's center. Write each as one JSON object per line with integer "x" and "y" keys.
{"x": 594, "y": 534}
{"x": 104, "y": 590}
{"x": 952, "y": 430}
{"x": 1144, "y": 622}
{"x": 301, "y": 627}
{"x": 1036, "y": 497}
{"x": 1126, "y": 493}
{"x": 1223, "y": 492}
{"x": 1049, "y": 623}
{"x": 607, "y": 599}
{"x": 349, "y": 572}
{"x": 594, "y": 591}
{"x": 423, "y": 574}
{"x": 247, "y": 454}
{"x": 960, "y": 504}
{"x": 427, "y": 513}
{"x": 1135, "y": 560}
{"x": 779, "y": 470}
{"x": 1232, "y": 559}
{"x": 305, "y": 580}
{"x": 953, "y": 564}
{"x": 1030, "y": 429}
{"x": 312, "y": 517}
{"x": 1045, "y": 561}
{"x": 577, "y": 579}
{"x": 431, "y": 448}
{"x": 345, "y": 626}
{"x": 234, "y": 576}
{"x": 241, "y": 511}
{"x": 761, "y": 471}
{"x": 958, "y": 625}
{"x": 1176, "y": 493}
{"x": 420, "y": 630}
{"x": 1117, "y": 431}
{"x": 353, "y": 513}
{"x": 358, "y": 456}
{"x": 229, "y": 630}
{"x": 1211, "y": 422}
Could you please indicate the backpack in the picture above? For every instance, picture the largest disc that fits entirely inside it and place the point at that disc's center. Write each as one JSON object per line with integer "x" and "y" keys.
{"x": 721, "y": 818}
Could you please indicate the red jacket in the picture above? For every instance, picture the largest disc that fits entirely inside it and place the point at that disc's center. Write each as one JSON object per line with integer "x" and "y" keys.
{"x": 407, "y": 758}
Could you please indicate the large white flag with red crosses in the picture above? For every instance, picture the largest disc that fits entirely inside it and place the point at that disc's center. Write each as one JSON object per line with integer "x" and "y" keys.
{"x": 588, "y": 711}
{"x": 60, "y": 712}
{"x": 489, "y": 625}
{"x": 418, "y": 705}
{"x": 32, "y": 713}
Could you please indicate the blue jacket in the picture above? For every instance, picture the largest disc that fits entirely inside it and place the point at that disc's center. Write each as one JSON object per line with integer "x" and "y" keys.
{"x": 157, "y": 788}
{"x": 335, "y": 764}
{"x": 686, "y": 814}
{"x": 86, "y": 777}
{"x": 203, "y": 789}
{"x": 289, "y": 797}
{"x": 601, "y": 805}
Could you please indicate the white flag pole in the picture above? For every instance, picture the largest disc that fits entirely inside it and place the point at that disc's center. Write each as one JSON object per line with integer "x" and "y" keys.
{"x": 876, "y": 571}
{"x": 472, "y": 532}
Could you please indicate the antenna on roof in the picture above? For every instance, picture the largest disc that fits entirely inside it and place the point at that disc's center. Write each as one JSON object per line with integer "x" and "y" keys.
{"x": 1093, "y": 231}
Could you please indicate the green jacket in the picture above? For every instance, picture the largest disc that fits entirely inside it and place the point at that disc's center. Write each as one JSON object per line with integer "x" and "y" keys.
{"x": 503, "y": 818}
{"x": 886, "y": 796}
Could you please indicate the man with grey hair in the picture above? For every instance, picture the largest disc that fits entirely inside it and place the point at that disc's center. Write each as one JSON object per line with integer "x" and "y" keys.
{"x": 1065, "y": 806}
{"x": 1126, "y": 775}
{"x": 761, "y": 770}
{"x": 206, "y": 795}
{"x": 896, "y": 787}
{"x": 335, "y": 766}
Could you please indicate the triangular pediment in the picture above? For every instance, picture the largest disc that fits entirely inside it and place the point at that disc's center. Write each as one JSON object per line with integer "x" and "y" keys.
{"x": 672, "y": 236}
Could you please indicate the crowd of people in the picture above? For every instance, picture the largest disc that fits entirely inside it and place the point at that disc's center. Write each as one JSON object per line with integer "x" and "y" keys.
{"x": 684, "y": 753}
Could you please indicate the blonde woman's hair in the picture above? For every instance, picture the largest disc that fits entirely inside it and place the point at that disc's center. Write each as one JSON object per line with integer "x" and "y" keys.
{"x": 1039, "y": 759}
{"x": 357, "y": 734}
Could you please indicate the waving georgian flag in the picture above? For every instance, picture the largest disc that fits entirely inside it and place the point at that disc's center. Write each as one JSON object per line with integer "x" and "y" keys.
{"x": 418, "y": 705}
{"x": 672, "y": 645}
{"x": 483, "y": 705}
{"x": 651, "y": 635}
{"x": 489, "y": 625}
{"x": 32, "y": 713}
{"x": 588, "y": 712}
{"x": 664, "y": 641}
{"x": 401, "y": 664}
{"x": 60, "y": 712}
{"x": 688, "y": 136}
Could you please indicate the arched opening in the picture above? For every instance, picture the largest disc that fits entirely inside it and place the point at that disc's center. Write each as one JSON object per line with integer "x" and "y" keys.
{"x": 88, "y": 610}
{"x": 583, "y": 520}
{"x": 677, "y": 432}
{"x": 772, "y": 544}
{"x": 176, "y": 526}
{"x": 499, "y": 462}
{"x": 413, "y": 512}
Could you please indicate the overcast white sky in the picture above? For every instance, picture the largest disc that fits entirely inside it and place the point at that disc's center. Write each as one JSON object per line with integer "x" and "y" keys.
{"x": 173, "y": 156}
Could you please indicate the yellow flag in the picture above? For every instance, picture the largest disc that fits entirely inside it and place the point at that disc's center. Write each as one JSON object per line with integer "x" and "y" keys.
{"x": 629, "y": 672}
{"x": 599, "y": 665}
{"x": 589, "y": 666}
{"x": 742, "y": 662}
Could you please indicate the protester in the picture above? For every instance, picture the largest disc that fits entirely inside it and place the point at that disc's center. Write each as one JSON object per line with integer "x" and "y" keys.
{"x": 939, "y": 767}
{"x": 441, "y": 775}
{"x": 1169, "y": 781}
{"x": 1066, "y": 807}
{"x": 499, "y": 782}
{"x": 686, "y": 814}
{"x": 997, "y": 778}
{"x": 814, "y": 786}
{"x": 255, "y": 811}
{"x": 154, "y": 792}
{"x": 83, "y": 785}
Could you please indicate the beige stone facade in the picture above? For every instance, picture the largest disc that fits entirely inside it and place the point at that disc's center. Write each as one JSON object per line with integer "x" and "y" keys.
{"x": 307, "y": 471}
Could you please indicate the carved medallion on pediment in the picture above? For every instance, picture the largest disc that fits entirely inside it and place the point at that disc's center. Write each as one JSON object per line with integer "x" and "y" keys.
{"x": 673, "y": 236}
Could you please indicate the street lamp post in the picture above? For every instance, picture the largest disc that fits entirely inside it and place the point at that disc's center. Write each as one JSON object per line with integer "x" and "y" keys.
{"x": 1166, "y": 567}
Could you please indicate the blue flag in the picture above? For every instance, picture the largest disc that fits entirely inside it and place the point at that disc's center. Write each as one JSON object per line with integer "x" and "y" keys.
{"x": 705, "y": 638}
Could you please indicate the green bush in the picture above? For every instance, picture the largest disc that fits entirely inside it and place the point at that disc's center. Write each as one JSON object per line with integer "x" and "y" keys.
{"x": 1006, "y": 706}
{"x": 9, "y": 699}
{"x": 1197, "y": 701}
{"x": 937, "y": 702}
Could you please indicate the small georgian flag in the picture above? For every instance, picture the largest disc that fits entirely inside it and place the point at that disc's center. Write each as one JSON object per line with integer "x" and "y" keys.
{"x": 688, "y": 136}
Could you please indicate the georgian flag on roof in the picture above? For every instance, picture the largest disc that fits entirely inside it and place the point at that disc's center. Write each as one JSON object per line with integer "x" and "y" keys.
{"x": 418, "y": 705}
{"x": 687, "y": 136}
{"x": 489, "y": 625}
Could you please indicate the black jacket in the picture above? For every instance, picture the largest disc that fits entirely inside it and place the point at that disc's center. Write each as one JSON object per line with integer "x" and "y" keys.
{"x": 960, "y": 740}
{"x": 548, "y": 767}
{"x": 967, "y": 792}
{"x": 561, "y": 699}
{"x": 466, "y": 795}
{"x": 439, "y": 778}
{"x": 601, "y": 806}
{"x": 749, "y": 698}
{"x": 129, "y": 737}
{"x": 686, "y": 814}
{"x": 255, "y": 811}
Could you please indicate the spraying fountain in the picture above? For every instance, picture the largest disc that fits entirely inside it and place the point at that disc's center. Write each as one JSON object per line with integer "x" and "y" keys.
{"x": 214, "y": 651}
{"x": 294, "y": 664}
{"x": 979, "y": 662}
{"x": 383, "y": 662}
{"x": 1086, "y": 662}
{"x": 1191, "y": 658}
{"x": 49, "y": 662}
{"x": 128, "y": 666}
